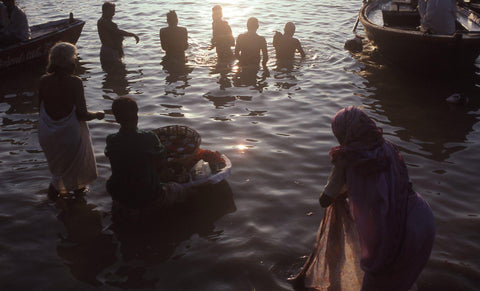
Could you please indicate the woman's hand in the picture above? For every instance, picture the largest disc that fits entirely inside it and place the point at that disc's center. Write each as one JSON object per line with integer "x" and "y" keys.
{"x": 99, "y": 115}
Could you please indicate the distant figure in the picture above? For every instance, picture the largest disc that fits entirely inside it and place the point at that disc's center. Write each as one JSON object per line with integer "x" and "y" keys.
{"x": 111, "y": 36}
{"x": 134, "y": 157}
{"x": 391, "y": 228}
{"x": 13, "y": 23}
{"x": 249, "y": 45}
{"x": 174, "y": 39}
{"x": 222, "y": 38}
{"x": 63, "y": 132}
{"x": 437, "y": 16}
{"x": 286, "y": 45}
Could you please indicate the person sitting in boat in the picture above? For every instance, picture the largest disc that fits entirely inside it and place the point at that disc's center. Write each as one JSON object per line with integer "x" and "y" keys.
{"x": 14, "y": 23}
{"x": 437, "y": 16}
{"x": 249, "y": 45}
{"x": 62, "y": 129}
{"x": 111, "y": 36}
{"x": 134, "y": 157}
{"x": 222, "y": 38}
{"x": 174, "y": 39}
{"x": 286, "y": 45}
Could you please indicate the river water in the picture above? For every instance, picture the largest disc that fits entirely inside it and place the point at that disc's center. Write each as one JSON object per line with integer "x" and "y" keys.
{"x": 254, "y": 230}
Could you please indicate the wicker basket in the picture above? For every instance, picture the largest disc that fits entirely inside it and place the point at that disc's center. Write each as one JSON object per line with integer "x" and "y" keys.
{"x": 181, "y": 142}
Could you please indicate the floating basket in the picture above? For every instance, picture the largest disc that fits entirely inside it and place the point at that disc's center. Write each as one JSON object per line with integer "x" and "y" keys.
{"x": 181, "y": 142}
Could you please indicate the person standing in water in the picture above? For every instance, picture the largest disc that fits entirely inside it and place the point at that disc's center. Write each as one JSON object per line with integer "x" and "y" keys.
{"x": 111, "y": 36}
{"x": 249, "y": 45}
{"x": 222, "y": 38}
{"x": 62, "y": 129}
{"x": 173, "y": 38}
{"x": 286, "y": 45}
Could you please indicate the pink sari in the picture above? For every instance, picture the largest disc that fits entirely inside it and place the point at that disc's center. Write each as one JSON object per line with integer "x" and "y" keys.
{"x": 394, "y": 225}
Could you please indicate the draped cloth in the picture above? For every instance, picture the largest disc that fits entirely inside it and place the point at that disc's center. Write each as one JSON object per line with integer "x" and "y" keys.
{"x": 69, "y": 151}
{"x": 334, "y": 263}
{"x": 395, "y": 225}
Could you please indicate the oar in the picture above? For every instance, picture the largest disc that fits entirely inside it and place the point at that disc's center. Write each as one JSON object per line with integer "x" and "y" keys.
{"x": 358, "y": 17}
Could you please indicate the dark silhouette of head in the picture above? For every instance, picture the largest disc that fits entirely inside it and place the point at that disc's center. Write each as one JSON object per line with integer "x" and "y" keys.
{"x": 289, "y": 29}
{"x": 125, "y": 110}
{"x": 9, "y": 3}
{"x": 217, "y": 13}
{"x": 108, "y": 9}
{"x": 252, "y": 24}
{"x": 62, "y": 58}
{"x": 172, "y": 18}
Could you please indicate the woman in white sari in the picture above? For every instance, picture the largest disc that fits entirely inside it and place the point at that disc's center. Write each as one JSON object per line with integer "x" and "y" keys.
{"x": 63, "y": 131}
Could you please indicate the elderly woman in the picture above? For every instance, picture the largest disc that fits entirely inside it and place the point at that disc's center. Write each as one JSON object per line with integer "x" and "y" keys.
{"x": 392, "y": 227}
{"x": 63, "y": 131}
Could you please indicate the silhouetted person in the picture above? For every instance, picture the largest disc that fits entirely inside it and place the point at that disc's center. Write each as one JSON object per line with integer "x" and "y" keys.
{"x": 222, "y": 38}
{"x": 286, "y": 45}
{"x": 13, "y": 23}
{"x": 174, "y": 39}
{"x": 134, "y": 157}
{"x": 249, "y": 45}
{"x": 62, "y": 129}
{"x": 111, "y": 36}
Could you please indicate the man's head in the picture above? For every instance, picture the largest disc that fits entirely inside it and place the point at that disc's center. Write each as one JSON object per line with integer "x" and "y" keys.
{"x": 125, "y": 110}
{"x": 252, "y": 24}
{"x": 172, "y": 18}
{"x": 217, "y": 13}
{"x": 108, "y": 9}
{"x": 289, "y": 28}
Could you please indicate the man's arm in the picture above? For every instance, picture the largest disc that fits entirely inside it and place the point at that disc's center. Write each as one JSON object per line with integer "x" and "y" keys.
{"x": 300, "y": 49}
{"x": 264, "y": 53}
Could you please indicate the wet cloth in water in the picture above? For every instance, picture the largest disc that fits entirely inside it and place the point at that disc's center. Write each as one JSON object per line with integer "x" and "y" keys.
{"x": 334, "y": 263}
{"x": 68, "y": 148}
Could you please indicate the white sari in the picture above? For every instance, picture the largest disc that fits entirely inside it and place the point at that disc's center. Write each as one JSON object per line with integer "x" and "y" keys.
{"x": 69, "y": 151}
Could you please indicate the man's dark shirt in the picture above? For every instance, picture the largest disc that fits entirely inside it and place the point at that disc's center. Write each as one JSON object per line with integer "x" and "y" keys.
{"x": 134, "y": 181}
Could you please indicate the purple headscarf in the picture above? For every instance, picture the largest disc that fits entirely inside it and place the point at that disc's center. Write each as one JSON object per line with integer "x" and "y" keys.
{"x": 378, "y": 186}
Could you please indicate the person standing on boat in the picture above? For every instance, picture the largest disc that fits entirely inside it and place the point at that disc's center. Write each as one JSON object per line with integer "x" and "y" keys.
{"x": 14, "y": 23}
{"x": 286, "y": 45}
{"x": 174, "y": 39}
{"x": 249, "y": 45}
{"x": 437, "y": 16}
{"x": 62, "y": 130}
{"x": 111, "y": 36}
{"x": 222, "y": 38}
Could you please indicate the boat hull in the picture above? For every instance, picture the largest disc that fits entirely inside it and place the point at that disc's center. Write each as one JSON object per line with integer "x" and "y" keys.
{"x": 424, "y": 52}
{"x": 44, "y": 36}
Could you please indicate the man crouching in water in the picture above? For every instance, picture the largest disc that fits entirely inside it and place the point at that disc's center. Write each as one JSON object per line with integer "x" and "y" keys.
{"x": 134, "y": 155}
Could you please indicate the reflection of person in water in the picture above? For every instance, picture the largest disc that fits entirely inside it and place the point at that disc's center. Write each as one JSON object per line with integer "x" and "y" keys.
{"x": 111, "y": 36}
{"x": 174, "y": 39}
{"x": 286, "y": 45}
{"x": 86, "y": 248}
{"x": 222, "y": 38}
{"x": 249, "y": 45}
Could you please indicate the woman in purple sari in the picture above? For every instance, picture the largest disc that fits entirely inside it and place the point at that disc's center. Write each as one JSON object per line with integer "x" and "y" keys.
{"x": 393, "y": 226}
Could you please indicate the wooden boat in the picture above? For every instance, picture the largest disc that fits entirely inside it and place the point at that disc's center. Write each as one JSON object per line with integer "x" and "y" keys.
{"x": 392, "y": 26}
{"x": 43, "y": 37}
